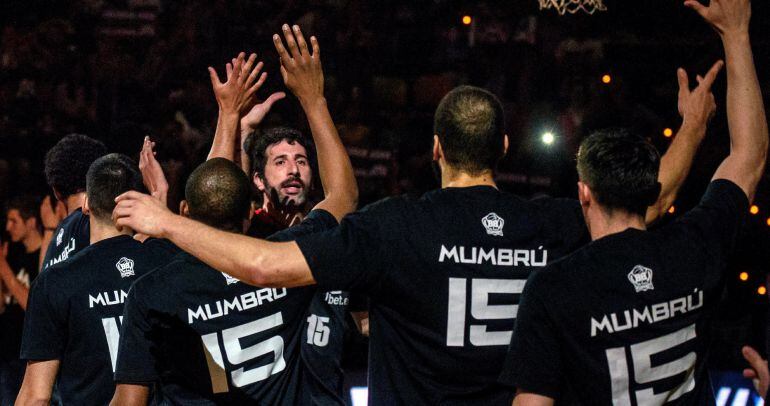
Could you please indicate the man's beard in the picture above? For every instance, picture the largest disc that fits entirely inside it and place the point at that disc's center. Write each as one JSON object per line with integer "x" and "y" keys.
{"x": 288, "y": 202}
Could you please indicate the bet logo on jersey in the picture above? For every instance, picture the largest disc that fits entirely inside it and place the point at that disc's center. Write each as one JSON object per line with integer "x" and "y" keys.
{"x": 494, "y": 224}
{"x": 126, "y": 267}
{"x": 59, "y": 237}
{"x": 641, "y": 278}
{"x": 229, "y": 279}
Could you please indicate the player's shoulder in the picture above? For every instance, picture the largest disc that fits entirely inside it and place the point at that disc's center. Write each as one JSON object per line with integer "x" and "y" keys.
{"x": 392, "y": 203}
{"x": 562, "y": 271}
{"x": 174, "y": 271}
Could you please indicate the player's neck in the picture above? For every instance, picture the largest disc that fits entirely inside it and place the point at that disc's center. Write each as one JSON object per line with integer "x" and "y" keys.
{"x": 455, "y": 178}
{"x": 602, "y": 223}
{"x": 104, "y": 230}
{"x": 32, "y": 241}
{"x": 282, "y": 215}
{"x": 74, "y": 202}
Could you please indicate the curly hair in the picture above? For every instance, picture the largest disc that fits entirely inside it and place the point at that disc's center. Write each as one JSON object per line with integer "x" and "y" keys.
{"x": 67, "y": 163}
{"x": 256, "y": 146}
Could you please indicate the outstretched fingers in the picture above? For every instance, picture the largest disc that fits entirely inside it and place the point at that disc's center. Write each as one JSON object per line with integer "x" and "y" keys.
{"x": 684, "y": 82}
{"x": 291, "y": 42}
{"x": 712, "y": 74}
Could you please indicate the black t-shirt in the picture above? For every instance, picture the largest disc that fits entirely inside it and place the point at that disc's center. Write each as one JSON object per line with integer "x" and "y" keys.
{"x": 326, "y": 326}
{"x": 443, "y": 275}
{"x": 74, "y": 314}
{"x": 625, "y": 320}
{"x": 71, "y": 236}
{"x": 210, "y": 339}
{"x": 25, "y": 266}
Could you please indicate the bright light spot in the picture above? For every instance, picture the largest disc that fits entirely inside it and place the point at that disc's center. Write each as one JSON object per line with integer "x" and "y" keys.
{"x": 548, "y": 138}
{"x": 668, "y": 132}
{"x": 762, "y": 290}
{"x": 671, "y": 210}
{"x": 606, "y": 79}
{"x": 754, "y": 209}
{"x": 768, "y": 221}
{"x": 467, "y": 20}
{"x": 744, "y": 276}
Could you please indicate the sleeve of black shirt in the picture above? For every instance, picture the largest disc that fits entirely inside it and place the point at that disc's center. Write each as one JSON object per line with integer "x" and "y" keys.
{"x": 345, "y": 257}
{"x": 718, "y": 218}
{"x": 533, "y": 363}
{"x": 564, "y": 218}
{"x": 316, "y": 221}
{"x": 135, "y": 362}
{"x": 45, "y": 325}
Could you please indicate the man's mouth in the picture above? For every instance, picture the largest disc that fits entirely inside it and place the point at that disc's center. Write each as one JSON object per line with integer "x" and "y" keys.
{"x": 293, "y": 187}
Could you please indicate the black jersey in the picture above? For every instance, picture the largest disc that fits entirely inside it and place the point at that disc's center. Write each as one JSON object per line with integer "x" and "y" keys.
{"x": 625, "y": 320}
{"x": 74, "y": 315}
{"x": 443, "y": 275}
{"x": 326, "y": 321}
{"x": 210, "y": 339}
{"x": 71, "y": 236}
{"x": 25, "y": 266}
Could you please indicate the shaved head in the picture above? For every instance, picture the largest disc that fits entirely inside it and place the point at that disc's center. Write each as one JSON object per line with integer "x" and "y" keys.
{"x": 218, "y": 194}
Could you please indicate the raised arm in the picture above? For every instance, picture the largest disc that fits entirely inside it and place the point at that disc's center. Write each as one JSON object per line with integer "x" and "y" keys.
{"x": 696, "y": 107}
{"x": 302, "y": 72}
{"x": 745, "y": 108}
{"x": 235, "y": 97}
{"x": 152, "y": 173}
{"x": 18, "y": 290}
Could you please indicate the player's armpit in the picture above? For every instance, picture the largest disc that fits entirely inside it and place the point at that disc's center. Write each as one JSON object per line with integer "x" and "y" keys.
{"x": 530, "y": 399}
{"x": 38, "y": 383}
{"x": 127, "y": 394}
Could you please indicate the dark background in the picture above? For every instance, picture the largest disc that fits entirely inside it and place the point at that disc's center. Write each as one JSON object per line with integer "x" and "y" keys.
{"x": 117, "y": 70}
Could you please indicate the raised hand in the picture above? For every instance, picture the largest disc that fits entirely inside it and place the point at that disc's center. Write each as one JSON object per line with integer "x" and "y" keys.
{"x": 51, "y": 216}
{"x": 301, "y": 69}
{"x": 237, "y": 93}
{"x": 757, "y": 370}
{"x": 726, "y": 16}
{"x": 141, "y": 213}
{"x": 697, "y": 106}
{"x": 152, "y": 173}
{"x": 250, "y": 121}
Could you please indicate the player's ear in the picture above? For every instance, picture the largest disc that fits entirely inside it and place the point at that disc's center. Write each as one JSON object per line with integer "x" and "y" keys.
{"x": 584, "y": 194}
{"x": 57, "y": 195}
{"x": 258, "y": 182}
{"x": 438, "y": 152}
{"x": 184, "y": 209}
{"x": 85, "y": 208}
{"x": 505, "y": 144}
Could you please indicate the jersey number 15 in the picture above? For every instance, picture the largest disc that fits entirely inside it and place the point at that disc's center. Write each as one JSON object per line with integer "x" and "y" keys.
{"x": 481, "y": 309}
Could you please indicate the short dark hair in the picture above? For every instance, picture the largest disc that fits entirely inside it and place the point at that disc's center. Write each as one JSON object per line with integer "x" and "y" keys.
{"x": 257, "y": 143}
{"x": 621, "y": 169}
{"x": 67, "y": 163}
{"x": 107, "y": 178}
{"x": 470, "y": 125}
{"x": 27, "y": 205}
{"x": 218, "y": 194}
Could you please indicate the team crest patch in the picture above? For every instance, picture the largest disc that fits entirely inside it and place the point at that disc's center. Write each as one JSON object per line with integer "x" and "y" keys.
{"x": 230, "y": 280}
{"x": 59, "y": 237}
{"x": 641, "y": 278}
{"x": 126, "y": 267}
{"x": 494, "y": 224}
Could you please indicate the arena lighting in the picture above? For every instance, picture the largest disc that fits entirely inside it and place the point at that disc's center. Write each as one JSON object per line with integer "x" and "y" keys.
{"x": 467, "y": 20}
{"x": 606, "y": 79}
{"x": 744, "y": 276}
{"x": 671, "y": 210}
{"x": 754, "y": 209}
{"x": 768, "y": 221}
{"x": 667, "y": 132}
{"x": 548, "y": 138}
{"x": 762, "y": 290}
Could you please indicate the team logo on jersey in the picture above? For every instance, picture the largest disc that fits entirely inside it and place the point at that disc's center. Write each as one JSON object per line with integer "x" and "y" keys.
{"x": 59, "y": 237}
{"x": 641, "y": 278}
{"x": 230, "y": 280}
{"x": 126, "y": 267}
{"x": 494, "y": 224}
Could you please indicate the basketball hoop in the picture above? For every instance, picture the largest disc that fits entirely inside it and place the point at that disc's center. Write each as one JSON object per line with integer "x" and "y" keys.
{"x": 573, "y": 6}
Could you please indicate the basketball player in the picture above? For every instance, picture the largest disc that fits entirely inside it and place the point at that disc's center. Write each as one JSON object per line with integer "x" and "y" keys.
{"x": 71, "y": 328}
{"x": 625, "y": 320}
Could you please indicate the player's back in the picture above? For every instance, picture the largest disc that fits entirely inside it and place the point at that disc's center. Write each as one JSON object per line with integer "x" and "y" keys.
{"x": 444, "y": 274}
{"x": 210, "y": 339}
{"x": 70, "y": 236}
{"x": 625, "y": 320}
{"x": 74, "y": 315}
